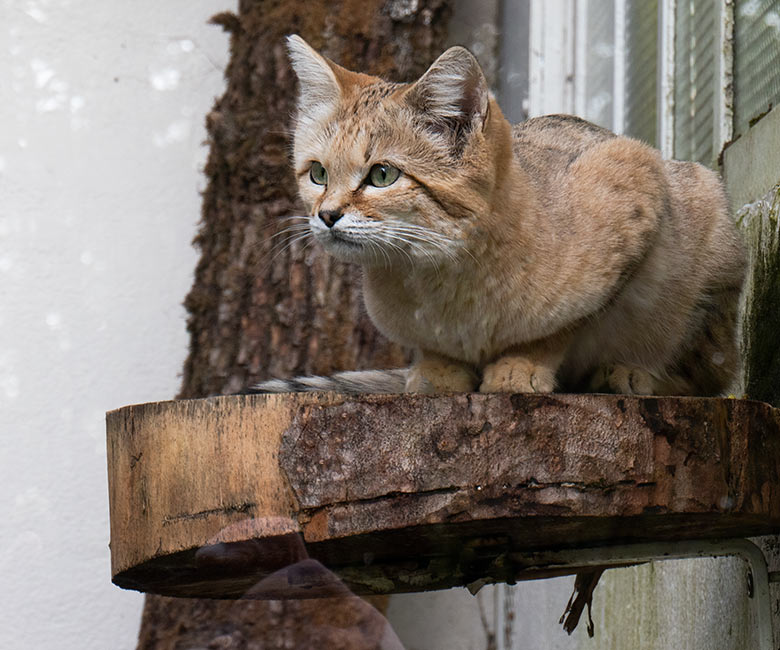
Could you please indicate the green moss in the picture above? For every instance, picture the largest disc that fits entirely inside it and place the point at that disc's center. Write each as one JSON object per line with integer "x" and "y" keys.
{"x": 761, "y": 299}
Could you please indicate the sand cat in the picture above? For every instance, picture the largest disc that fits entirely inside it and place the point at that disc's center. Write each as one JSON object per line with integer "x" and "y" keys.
{"x": 549, "y": 255}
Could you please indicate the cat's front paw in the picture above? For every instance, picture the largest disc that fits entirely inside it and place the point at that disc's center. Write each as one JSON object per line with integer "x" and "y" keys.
{"x": 517, "y": 375}
{"x": 438, "y": 375}
{"x": 624, "y": 379}
{"x": 417, "y": 383}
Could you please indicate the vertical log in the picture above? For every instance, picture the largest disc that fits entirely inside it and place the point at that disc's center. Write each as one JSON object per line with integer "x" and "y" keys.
{"x": 261, "y": 305}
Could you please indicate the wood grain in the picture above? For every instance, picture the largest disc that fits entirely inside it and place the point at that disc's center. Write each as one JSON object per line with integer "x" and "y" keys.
{"x": 219, "y": 497}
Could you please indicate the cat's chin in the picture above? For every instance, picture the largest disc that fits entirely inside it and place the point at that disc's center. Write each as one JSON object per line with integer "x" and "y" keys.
{"x": 371, "y": 253}
{"x": 349, "y": 251}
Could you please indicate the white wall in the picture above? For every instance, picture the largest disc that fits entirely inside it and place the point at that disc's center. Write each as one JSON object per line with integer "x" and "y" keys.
{"x": 101, "y": 131}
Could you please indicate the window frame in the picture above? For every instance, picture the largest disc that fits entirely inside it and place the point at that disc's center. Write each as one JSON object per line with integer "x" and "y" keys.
{"x": 558, "y": 42}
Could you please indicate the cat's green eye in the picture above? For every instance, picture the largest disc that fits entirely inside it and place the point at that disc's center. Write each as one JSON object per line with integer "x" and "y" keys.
{"x": 383, "y": 175}
{"x": 318, "y": 174}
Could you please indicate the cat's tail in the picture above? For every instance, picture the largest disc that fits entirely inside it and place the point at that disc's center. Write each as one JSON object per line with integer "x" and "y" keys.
{"x": 351, "y": 382}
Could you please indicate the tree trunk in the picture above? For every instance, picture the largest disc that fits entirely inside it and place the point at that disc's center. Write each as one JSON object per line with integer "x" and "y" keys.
{"x": 263, "y": 306}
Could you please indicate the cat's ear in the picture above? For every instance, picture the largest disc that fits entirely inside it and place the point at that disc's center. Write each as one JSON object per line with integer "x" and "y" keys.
{"x": 319, "y": 89}
{"x": 452, "y": 92}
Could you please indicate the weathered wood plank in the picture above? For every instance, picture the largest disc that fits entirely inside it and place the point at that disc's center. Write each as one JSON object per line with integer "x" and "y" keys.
{"x": 403, "y": 493}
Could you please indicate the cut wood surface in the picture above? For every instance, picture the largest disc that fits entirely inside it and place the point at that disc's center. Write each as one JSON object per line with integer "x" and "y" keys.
{"x": 276, "y": 496}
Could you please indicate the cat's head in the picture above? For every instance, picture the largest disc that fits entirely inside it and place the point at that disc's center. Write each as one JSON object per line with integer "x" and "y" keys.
{"x": 392, "y": 173}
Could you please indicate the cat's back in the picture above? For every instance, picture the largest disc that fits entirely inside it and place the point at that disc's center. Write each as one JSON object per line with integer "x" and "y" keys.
{"x": 547, "y": 145}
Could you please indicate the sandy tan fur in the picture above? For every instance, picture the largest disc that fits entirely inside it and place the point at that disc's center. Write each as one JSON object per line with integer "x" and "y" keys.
{"x": 552, "y": 255}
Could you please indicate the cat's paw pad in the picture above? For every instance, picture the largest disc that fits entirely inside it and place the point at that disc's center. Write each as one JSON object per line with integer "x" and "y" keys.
{"x": 624, "y": 379}
{"x": 517, "y": 375}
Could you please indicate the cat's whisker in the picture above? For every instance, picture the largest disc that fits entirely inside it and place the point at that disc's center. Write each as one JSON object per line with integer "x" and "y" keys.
{"x": 290, "y": 243}
{"x": 388, "y": 262}
{"x": 307, "y": 244}
{"x": 373, "y": 248}
{"x": 272, "y": 223}
{"x": 279, "y": 246}
{"x": 429, "y": 256}
{"x": 472, "y": 256}
{"x": 295, "y": 228}
{"x": 416, "y": 235}
{"x": 390, "y": 240}
{"x": 405, "y": 252}
{"x": 285, "y": 245}
{"x": 425, "y": 234}
{"x": 280, "y": 228}
{"x": 420, "y": 249}
{"x": 290, "y": 219}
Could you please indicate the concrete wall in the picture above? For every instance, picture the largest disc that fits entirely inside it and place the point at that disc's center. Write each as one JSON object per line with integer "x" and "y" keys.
{"x": 101, "y": 132}
{"x": 751, "y": 170}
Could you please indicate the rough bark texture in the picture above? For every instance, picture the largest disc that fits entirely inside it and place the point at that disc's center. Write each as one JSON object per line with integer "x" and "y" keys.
{"x": 413, "y": 492}
{"x": 260, "y": 308}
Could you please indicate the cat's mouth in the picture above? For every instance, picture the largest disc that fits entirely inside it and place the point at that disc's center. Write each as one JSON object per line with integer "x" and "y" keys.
{"x": 344, "y": 238}
{"x": 343, "y": 246}
{"x": 337, "y": 242}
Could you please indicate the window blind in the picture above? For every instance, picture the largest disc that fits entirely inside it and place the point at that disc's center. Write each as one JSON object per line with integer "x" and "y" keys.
{"x": 756, "y": 60}
{"x": 599, "y": 62}
{"x": 697, "y": 56}
{"x": 641, "y": 70}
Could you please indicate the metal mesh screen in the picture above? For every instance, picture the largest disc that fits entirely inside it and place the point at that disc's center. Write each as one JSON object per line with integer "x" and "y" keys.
{"x": 600, "y": 65}
{"x": 641, "y": 112}
{"x": 696, "y": 73}
{"x": 756, "y": 60}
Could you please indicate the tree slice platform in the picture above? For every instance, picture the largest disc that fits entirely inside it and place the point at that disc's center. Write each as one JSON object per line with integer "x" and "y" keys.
{"x": 275, "y": 496}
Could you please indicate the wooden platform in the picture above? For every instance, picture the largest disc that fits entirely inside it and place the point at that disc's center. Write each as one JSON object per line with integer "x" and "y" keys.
{"x": 404, "y": 493}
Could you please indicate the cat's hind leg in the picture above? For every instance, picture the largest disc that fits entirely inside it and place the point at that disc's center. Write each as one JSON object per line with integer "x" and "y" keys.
{"x": 710, "y": 358}
{"x": 706, "y": 363}
{"x": 620, "y": 378}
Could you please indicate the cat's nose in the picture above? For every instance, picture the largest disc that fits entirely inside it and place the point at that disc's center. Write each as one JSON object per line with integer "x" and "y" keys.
{"x": 329, "y": 217}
